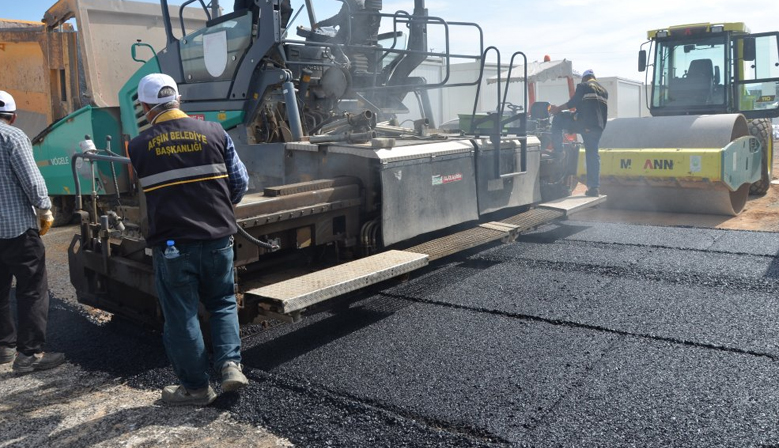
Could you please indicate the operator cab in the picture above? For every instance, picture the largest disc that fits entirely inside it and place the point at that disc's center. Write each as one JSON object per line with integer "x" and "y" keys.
{"x": 710, "y": 69}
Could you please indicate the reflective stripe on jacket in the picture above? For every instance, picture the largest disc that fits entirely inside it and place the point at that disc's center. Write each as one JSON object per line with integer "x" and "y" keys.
{"x": 181, "y": 169}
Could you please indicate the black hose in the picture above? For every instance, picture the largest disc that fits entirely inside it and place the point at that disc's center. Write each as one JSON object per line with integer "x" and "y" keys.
{"x": 260, "y": 243}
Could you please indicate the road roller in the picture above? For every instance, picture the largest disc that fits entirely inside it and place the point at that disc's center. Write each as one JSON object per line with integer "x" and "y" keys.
{"x": 708, "y": 145}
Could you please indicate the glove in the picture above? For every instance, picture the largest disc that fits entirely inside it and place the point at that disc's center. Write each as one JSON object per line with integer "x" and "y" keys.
{"x": 45, "y": 219}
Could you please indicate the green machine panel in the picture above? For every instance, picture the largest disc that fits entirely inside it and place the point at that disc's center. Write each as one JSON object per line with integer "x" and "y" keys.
{"x": 54, "y": 148}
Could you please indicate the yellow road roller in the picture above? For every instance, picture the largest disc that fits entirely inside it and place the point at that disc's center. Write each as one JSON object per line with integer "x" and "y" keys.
{"x": 708, "y": 144}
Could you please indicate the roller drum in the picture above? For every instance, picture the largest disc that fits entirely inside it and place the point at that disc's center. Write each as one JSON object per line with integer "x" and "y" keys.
{"x": 673, "y": 132}
{"x": 684, "y": 131}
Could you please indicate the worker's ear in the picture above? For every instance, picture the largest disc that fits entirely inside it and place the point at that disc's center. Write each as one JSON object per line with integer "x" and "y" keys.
{"x": 13, "y": 118}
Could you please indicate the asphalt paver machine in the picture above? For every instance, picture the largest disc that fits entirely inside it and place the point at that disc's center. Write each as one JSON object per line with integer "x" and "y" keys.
{"x": 340, "y": 193}
{"x": 712, "y": 91}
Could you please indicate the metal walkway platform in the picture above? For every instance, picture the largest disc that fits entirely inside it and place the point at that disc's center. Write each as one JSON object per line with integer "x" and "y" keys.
{"x": 291, "y": 296}
{"x": 506, "y": 229}
{"x": 298, "y": 293}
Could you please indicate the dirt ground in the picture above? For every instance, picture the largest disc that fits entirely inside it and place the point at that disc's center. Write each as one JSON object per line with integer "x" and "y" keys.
{"x": 73, "y": 407}
{"x": 760, "y": 214}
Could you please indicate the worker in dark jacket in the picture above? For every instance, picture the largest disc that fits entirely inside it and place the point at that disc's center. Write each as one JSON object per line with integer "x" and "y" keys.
{"x": 591, "y": 103}
{"x": 191, "y": 176}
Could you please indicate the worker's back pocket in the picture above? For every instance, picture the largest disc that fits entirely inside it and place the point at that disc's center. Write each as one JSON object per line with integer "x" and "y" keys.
{"x": 221, "y": 258}
{"x": 178, "y": 271}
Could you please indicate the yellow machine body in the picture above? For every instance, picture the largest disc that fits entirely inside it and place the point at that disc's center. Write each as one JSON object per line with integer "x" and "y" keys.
{"x": 699, "y": 164}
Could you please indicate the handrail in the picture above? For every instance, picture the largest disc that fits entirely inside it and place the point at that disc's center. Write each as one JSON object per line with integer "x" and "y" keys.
{"x": 522, "y": 116}
{"x": 498, "y": 121}
{"x": 90, "y": 156}
{"x": 478, "y": 87}
{"x": 181, "y": 14}
{"x": 134, "y": 52}
{"x": 403, "y": 17}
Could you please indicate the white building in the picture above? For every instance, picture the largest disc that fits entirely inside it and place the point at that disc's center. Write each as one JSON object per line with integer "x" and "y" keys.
{"x": 626, "y": 97}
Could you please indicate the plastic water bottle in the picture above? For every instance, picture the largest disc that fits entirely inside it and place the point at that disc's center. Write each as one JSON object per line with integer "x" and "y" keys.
{"x": 171, "y": 251}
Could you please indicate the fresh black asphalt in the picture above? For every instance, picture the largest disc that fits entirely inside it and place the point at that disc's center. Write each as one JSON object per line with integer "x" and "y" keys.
{"x": 578, "y": 334}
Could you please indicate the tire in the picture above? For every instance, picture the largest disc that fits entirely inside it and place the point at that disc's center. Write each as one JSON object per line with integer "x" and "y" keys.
{"x": 564, "y": 179}
{"x": 761, "y": 129}
{"x": 550, "y": 192}
{"x": 62, "y": 208}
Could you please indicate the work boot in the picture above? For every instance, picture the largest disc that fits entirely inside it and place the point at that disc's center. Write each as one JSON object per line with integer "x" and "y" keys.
{"x": 37, "y": 361}
{"x": 592, "y": 192}
{"x": 7, "y": 354}
{"x": 233, "y": 377}
{"x": 180, "y": 396}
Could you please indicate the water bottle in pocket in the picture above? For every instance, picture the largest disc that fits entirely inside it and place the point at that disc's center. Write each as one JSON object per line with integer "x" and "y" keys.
{"x": 170, "y": 250}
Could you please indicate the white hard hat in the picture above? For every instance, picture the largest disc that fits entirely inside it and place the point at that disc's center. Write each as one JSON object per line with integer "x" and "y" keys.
{"x": 150, "y": 85}
{"x": 7, "y": 103}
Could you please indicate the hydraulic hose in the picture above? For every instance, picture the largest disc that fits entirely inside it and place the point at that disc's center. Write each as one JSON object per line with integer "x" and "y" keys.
{"x": 260, "y": 243}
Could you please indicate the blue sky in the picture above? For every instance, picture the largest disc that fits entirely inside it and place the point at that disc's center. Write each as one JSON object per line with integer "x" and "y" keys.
{"x": 604, "y": 35}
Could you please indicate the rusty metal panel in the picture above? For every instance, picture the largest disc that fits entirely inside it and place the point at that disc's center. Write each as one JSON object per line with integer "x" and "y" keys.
{"x": 107, "y": 30}
{"x": 25, "y": 74}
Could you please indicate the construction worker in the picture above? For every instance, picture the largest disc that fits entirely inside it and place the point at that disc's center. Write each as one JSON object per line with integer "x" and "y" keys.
{"x": 22, "y": 253}
{"x": 591, "y": 103}
{"x": 191, "y": 176}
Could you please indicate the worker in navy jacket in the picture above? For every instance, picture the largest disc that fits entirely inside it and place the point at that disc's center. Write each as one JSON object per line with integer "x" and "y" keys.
{"x": 191, "y": 177}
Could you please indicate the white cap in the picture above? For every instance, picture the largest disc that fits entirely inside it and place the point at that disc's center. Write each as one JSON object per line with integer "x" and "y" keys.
{"x": 587, "y": 73}
{"x": 7, "y": 103}
{"x": 150, "y": 85}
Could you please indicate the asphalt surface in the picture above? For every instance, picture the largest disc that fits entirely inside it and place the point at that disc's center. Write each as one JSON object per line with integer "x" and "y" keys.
{"x": 578, "y": 334}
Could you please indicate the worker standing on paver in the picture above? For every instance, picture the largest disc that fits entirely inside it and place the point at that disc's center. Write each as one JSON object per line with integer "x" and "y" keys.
{"x": 22, "y": 253}
{"x": 592, "y": 110}
{"x": 191, "y": 175}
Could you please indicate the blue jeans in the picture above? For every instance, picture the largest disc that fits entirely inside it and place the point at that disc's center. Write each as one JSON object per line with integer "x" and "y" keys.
{"x": 203, "y": 272}
{"x": 565, "y": 121}
{"x": 592, "y": 158}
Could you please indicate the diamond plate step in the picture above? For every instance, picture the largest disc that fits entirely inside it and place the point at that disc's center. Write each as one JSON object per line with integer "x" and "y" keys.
{"x": 508, "y": 228}
{"x": 295, "y": 294}
{"x": 573, "y": 204}
{"x": 457, "y": 242}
